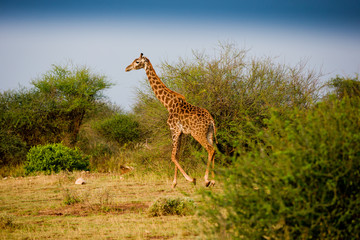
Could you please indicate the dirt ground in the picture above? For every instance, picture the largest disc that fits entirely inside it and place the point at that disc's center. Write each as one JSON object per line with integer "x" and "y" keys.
{"x": 108, "y": 206}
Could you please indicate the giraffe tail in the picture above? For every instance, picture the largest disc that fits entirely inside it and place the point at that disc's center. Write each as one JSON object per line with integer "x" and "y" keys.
{"x": 212, "y": 133}
{"x": 216, "y": 141}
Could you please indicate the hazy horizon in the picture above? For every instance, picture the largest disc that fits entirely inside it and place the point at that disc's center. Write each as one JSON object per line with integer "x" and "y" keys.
{"x": 106, "y": 36}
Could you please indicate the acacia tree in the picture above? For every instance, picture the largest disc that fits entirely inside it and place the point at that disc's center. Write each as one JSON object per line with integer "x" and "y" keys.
{"x": 68, "y": 93}
{"x": 50, "y": 112}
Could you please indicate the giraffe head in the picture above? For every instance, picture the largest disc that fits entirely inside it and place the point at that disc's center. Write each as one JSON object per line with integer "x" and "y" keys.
{"x": 137, "y": 64}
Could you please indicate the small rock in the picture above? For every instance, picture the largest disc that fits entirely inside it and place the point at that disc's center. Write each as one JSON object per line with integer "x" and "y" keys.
{"x": 124, "y": 169}
{"x": 80, "y": 181}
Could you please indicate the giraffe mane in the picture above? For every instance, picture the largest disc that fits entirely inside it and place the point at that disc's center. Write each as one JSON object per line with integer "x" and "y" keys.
{"x": 177, "y": 94}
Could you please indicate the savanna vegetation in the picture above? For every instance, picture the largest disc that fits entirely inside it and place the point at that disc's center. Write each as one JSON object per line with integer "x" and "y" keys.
{"x": 288, "y": 152}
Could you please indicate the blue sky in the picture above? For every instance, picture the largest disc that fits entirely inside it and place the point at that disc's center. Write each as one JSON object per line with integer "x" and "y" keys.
{"x": 315, "y": 10}
{"x": 107, "y": 35}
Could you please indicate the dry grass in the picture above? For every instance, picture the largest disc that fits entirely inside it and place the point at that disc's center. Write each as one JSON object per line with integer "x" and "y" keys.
{"x": 109, "y": 206}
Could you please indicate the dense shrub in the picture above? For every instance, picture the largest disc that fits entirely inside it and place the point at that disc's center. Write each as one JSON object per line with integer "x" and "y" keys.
{"x": 12, "y": 149}
{"x": 345, "y": 86}
{"x": 53, "y": 158}
{"x": 302, "y": 182}
{"x": 122, "y": 128}
{"x": 24, "y": 123}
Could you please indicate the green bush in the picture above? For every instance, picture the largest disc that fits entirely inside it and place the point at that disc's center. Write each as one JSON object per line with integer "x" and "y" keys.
{"x": 345, "y": 86}
{"x": 301, "y": 182}
{"x": 122, "y": 128}
{"x": 172, "y": 206}
{"x": 12, "y": 149}
{"x": 53, "y": 158}
{"x": 24, "y": 123}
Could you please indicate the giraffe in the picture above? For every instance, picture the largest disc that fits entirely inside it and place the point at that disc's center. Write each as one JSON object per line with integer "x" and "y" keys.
{"x": 184, "y": 118}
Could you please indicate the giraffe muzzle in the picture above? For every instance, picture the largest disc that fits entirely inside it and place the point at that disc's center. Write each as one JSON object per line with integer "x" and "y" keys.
{"x": 129, "y": 68}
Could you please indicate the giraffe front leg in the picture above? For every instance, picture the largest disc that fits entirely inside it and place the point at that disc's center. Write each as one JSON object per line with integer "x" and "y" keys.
{"x": 174, "y": 158}
{"x": 175, "y": 178}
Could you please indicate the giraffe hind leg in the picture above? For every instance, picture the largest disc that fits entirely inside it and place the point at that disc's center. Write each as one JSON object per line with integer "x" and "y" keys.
{"x": 211, "y": 157}
{"x": 210, "y": 137}
{"x": 206, "y": 141}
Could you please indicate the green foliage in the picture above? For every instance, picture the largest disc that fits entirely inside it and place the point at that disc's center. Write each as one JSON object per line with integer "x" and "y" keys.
{"x": 301, "y": 182}
{"x": 12, "y": 149}
{"x": 72, "y": 92}
{"x": 111, "y": 137}
{"x": 345, "y": 86}
{"x": 53, "y": 158}
{"x": 72, "y": 88}
{"x": 122, "y": 128}
{"x": 23, "y": 124}
{"x": 172, "y": 206}
{"x": 52, "y": 111}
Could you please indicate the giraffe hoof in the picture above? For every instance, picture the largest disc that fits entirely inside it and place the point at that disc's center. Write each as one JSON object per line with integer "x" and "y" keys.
{"x": 210, "y": 183}
{"x": 194, "y": 181}
{"x": 174, "y": 185}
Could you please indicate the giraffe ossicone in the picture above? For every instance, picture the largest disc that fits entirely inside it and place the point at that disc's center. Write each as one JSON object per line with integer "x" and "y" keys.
{"x": 184, "y": 118}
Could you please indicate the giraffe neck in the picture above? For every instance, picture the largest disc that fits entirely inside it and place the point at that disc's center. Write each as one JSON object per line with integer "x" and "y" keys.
{"x": 165, "y": 95}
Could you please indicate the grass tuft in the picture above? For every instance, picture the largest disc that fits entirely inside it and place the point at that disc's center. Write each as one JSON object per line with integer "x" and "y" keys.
{"x": 71, "y": 197}
{"x": 6, "y": 221}
{"x": 165, "y": 206}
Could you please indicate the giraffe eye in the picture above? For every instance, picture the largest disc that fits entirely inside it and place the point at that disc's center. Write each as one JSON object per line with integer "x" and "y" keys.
{"x": 137, "y": 62}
